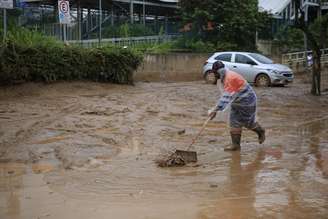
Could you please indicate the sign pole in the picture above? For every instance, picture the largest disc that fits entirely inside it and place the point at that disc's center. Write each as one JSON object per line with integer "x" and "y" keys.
{"x": 5, "y": 4}
{"x": 4, "y": 24}
{"x": 64, "y": 17}
{"x": 65, "y": 35}
{"x": 100, "y": 21}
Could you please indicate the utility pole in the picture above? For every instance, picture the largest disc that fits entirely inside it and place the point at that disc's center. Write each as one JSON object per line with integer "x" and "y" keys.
{"x": 112, "y": 16}
{"x": 4, "y": 24}
{"x": 144, "y": 13}
{"x": 131, "y": 12}
{"x": 305, "y": 38}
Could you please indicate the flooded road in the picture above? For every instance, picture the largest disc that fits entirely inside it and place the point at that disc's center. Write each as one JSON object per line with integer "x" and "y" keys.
{"x": 87, "y": 150}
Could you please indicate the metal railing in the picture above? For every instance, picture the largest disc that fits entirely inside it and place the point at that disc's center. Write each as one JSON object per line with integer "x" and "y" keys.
{"x": 129, "y": 41}
{"x": 324, "y": 5}
{"x": 310, "y": 2}
{"x": 300, "y": 57}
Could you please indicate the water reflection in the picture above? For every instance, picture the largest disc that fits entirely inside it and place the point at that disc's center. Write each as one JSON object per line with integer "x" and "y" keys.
{"x": 310, "y": 134}
{"x": 11, "y": 180}
{"x": 239, "y": 196}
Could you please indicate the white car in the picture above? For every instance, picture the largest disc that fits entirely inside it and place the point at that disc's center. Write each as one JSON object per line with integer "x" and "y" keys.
{"x": 255, "y": 68}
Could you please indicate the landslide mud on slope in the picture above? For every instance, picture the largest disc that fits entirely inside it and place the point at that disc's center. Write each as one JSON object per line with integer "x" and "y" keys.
{"x": 87, "y": 150}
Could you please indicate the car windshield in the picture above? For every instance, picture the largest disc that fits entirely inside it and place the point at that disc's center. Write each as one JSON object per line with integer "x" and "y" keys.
{"x": 260, "y": 58}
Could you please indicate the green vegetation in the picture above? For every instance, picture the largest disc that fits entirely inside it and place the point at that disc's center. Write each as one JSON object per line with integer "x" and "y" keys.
{"x": 316, "y": 33}
{"x": 194, "y": 45}
{"x": 225, "y": 23}
{"x": 29, "y": 56}
{"x": 184, "y": 44}
{"x": 127, "y": 30}
{"x": 25, "y": 37}
{"x": 179, "y": 45}
{"x": 290, "y": 39}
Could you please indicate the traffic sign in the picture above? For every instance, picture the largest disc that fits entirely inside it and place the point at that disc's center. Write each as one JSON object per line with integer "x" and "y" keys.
{"x": 9, "y": 4}
{"x": 63, "y": 12}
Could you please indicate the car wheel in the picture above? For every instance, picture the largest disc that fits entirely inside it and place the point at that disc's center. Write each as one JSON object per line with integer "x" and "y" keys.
{"x": 210, "y": 77}
{"x": 262, "y": 80}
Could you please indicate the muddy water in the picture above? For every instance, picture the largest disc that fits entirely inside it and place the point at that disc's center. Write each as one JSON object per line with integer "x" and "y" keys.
{"x": 87, "y": 150}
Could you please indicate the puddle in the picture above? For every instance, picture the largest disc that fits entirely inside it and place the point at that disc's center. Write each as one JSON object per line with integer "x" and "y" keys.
{"x": 48, "y": 136}
{"x": 52, "y": 140}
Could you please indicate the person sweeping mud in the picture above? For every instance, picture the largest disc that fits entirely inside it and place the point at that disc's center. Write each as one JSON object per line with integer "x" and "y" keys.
{"x": 242, "y": 98}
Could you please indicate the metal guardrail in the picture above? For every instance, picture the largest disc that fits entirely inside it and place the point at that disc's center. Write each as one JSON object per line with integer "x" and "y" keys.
{"x": 324, "y": 5}
{"x": 299, "y": 57}
{"x": 310, "y": 2}
{"x": 123, "y": 41}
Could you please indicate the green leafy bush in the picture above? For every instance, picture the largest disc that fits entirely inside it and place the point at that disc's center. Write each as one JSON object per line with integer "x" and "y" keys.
{"x": 25, "y": 37}
{"x": 181, "y": 44}
{"x": 290, "y": 39}
{"x": 127, "y": 30}
{"x": 226, "y": 46}
{"x": 41, "y": 62}
{"x": 194, "y": 45}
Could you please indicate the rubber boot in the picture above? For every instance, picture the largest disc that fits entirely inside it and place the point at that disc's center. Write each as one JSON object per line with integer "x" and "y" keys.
{"x": 235, "y": 139}
{"x": 260, "y": 132}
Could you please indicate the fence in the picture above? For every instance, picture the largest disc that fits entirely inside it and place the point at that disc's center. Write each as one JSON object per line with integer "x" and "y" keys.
{"x": 44, "y": 18}
{"x": 324, "y": 5}
{"x": 298, "y": 62}
{"x": 124, "y": 41}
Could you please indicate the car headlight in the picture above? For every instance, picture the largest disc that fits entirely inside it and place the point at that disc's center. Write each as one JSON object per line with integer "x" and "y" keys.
{"x": 274, "y": 71}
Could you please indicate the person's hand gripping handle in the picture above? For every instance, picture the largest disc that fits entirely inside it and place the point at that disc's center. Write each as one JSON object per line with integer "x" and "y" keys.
{"x": 212, "y": 113}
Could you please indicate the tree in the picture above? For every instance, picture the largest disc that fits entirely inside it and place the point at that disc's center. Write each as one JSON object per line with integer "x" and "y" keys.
{"x": 316, "y": 35}
{"x": 289, "y": 39}
{"x": 234, "y": 21}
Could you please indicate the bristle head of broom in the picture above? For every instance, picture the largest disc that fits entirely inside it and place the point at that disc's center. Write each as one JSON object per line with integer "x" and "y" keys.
{"x": 172, "y": 160}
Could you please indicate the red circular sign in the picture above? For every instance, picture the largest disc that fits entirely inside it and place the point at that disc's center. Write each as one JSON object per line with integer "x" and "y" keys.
{"x": 63, "y": 6}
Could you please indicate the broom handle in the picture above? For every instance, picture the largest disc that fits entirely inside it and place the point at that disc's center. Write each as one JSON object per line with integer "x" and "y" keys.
{"x": 199, "y": 133}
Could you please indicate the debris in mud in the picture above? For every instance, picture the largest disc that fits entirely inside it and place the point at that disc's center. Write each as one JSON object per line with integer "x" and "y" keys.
{"x": 94, "y": 162}
{"x": 196, "y": 165}
{"x": 105, "y": 112}
{"x": 212, "y": 141}
{"x": 150, "y": 111}
{"x": 109, "y": 141}
{"x": 98, "y": 113}
{"x": 181, "y": 132}
{"x": 179, "y": 115}
{"x": 172, "y": 160}
{"x": 126, "y": 110}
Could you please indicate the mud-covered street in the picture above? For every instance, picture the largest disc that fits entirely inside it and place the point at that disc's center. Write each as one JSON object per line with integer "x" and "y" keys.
{"x": 87, "y": 150}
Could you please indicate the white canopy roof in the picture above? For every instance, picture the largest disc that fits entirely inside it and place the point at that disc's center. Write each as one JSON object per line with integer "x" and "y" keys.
{"x": 273, "y": 6}
{"x": 171, "y": 1}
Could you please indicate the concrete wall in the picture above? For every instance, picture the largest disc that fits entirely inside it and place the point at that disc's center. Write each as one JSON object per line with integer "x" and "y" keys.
{"x": 264, "y": 46}
{"x": 171, "y": 67}
{"x": 269, "y": 48}
{"x": 184, "y": 67}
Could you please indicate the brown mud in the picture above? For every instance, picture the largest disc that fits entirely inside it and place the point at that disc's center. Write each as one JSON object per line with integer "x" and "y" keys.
{"x": 87, "y": 150}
